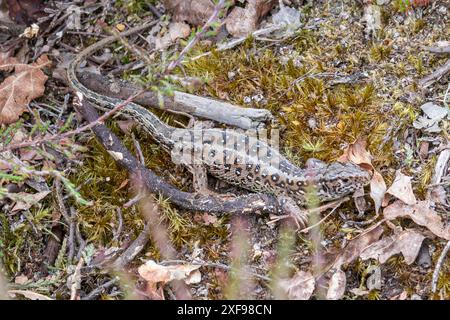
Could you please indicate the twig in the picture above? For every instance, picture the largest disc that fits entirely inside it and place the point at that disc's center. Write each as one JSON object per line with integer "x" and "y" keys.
{"x": 235, "y": 42}
{"x": 154, "y": 10}
{"x": 138, "y": 197}
{"x": 439, "y": 50}
{"x": 137, "y": 146}
{"x": 202, "y": 107}
{"x": 436, "y": 75}
{"x": 80, "y": 240}
{"x": 97, "y": 291}
{"x": 438, "y": 267}
{"x": 335, "y": 204}
{"x": 75, "y": 281}
{"x": 219, "y": 6}
{"x": 149, "y": 209}
{"x": 70, "y": 222}
{"x": 441, "y": 163}
{"x": 119, "y": 227}
{"x": 446, "y": 94}
{"x": 88, "y": 126}
{"x": 133, "y": 250}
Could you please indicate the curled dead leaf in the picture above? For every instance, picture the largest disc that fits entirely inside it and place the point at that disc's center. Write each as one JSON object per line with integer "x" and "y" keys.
{"x": 358, "y": 154}
{"x": 242, "y": 21}
{"x": 25, "y": 201}
{"x": 300, "y": 287}
{"x": 155, "y": 273}
{"x": 377, "y": 189}
{"x": 407, "y": 242}
{"x": 176, "y": 31}
{"x": 357, "y": 245}
{"x": 28, "y": 294}
{"x": 336, "y": 285}
{"x": 401, "y": 188}
{"x": 420, "y": 213}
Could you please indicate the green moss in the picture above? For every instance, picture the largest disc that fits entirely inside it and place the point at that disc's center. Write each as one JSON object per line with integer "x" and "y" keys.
{"x": 137, "y": 7}
{"x": 418, "y": 25}
{"x": 380, "y": 52}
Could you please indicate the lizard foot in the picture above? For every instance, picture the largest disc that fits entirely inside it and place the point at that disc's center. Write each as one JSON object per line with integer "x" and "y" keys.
{"x": 293, "y": 211}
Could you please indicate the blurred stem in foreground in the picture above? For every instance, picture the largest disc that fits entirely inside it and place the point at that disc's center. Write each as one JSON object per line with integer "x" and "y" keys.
{"x": 240, "y": 284}
{"x": 3, "y": 293}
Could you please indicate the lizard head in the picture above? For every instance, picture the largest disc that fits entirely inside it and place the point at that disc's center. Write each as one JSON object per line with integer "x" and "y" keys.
{"x": 336, "y": 180}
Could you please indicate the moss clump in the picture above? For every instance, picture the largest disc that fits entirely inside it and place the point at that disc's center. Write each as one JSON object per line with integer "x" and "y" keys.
{"x": 380, "y": 52}
{"x": 319, "y": 119}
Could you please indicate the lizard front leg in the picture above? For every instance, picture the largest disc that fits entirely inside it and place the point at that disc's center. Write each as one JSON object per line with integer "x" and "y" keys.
{"x": 291, "y": 210}
{"x": 200, "y": 178}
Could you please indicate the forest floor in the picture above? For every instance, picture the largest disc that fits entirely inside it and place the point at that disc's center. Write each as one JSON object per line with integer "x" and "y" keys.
{"x": 367, "y": 81}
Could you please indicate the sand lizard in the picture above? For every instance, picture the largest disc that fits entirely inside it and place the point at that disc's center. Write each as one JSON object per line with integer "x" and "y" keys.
{"x": 223, "y": 154}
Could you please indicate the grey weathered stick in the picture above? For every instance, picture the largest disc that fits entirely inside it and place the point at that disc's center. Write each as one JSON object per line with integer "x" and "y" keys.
{"x": 97, "y": 291}
{"x": 441, "y": 163}
{"x": 207, "y": 108}
{"x": 439, "y": 266}
{"x": 439, "y": 50}
{"x": 133, "y": 250}
{"x": 436, "y": 75}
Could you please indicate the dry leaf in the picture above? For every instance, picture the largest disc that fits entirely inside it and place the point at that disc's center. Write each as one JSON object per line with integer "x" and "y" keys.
{"x": 357, "y": 154}
{"x": 26, "y": 84}
{"x": 336, "y": 285}
{"x": 374, "y": 280}
{"x": 357, "y": 245}
{"x": 377, "y": 189}
{"x": 359, "y": 292}
{"x": 25, "y": 11}
{"x": 439, "y": 195}
{"x": 21, "y": 279}
{"x": 407, "y": 242}
{"x": 300, "y": 287}
{"x": 287, "y": 16}
{"x": 242, "y": 21}
{"x": 420, "y": 213}
{"x": 209, "y": 219}
{"x": 155, "y": 273}
{"x": 177, "y": 30}
{"x": 28, "y": 294}
{"x": 433, "y": 114}
{"x": 194, "y": 12}
{"x": 25, "y": 201}
{"x": 402, "y": 189}
{"x": 153, "y": 292}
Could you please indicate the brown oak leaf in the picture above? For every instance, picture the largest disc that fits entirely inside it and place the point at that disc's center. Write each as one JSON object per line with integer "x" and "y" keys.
{"x": 25, "y": 11}
{"x": 242, "y": 21}
{"x": 25, "y": 84}
{"x": 195, "y": 12}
